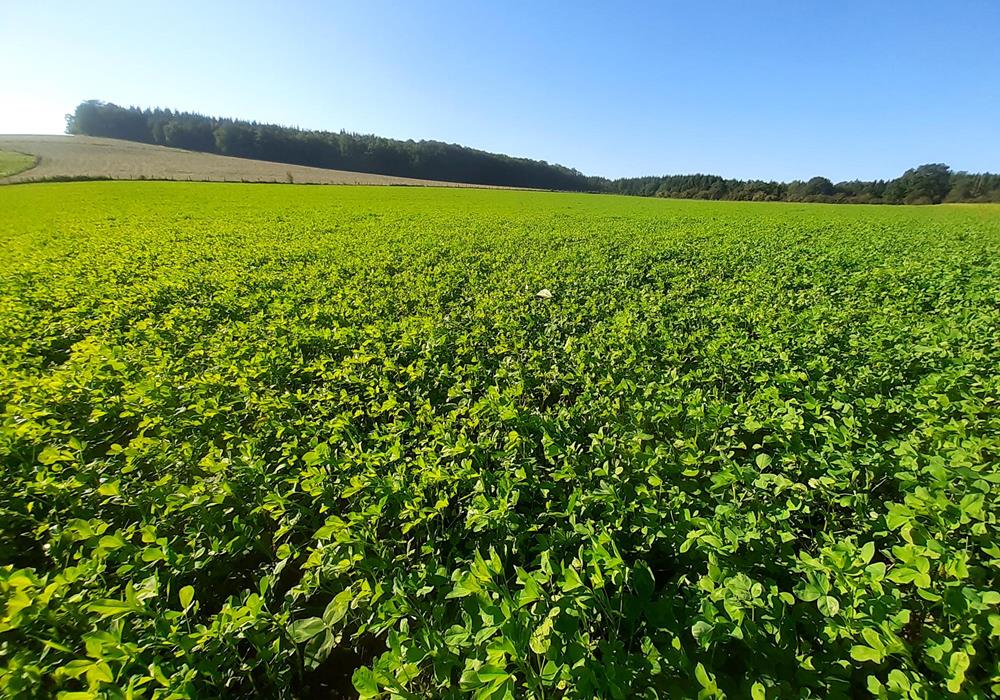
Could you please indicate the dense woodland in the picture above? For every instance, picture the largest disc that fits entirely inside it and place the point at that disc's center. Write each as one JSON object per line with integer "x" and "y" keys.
{"x": 928, "y": 184}
{"x": 434, "y": 160}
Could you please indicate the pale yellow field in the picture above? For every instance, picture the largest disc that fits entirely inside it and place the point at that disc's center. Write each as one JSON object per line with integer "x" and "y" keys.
{"x": 62, "y": 157}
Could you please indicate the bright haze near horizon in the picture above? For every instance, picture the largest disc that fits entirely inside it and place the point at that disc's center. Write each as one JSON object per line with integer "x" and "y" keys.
{"x": 768, "y": 90}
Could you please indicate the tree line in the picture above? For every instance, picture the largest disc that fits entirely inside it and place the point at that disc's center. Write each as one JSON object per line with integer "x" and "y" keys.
{"x": 433, "y": 160}
{"x": 932, "y": 183}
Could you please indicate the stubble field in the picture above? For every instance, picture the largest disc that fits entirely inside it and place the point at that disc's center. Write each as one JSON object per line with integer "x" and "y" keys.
{"x": 94, "y": 158}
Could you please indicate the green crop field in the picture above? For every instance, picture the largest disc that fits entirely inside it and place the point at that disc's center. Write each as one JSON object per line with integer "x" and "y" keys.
{"x": 12, "y": 162}
{"x": 264, "y": 440}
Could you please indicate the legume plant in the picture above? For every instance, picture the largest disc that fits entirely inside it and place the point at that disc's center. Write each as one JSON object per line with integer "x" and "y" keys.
{"x": 317, "y": 442}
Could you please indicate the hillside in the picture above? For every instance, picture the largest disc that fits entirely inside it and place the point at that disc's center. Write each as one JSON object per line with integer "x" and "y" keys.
{"x": 930, "y": 183}
{"x": 71, "y": 157}
{"x": 363, "y": 153}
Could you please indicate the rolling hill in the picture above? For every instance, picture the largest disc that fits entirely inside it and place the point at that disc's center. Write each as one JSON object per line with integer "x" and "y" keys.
{"x": 89, "y": 157}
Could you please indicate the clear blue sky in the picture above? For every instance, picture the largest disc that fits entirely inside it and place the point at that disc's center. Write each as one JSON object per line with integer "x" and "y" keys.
{"x": 775, "y": 90}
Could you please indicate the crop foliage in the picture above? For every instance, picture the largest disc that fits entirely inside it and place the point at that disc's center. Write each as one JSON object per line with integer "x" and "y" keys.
{"x": 310, "y": 442}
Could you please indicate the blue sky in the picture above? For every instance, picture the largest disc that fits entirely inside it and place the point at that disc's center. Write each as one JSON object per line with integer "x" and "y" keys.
{"x": 775, "y": 90}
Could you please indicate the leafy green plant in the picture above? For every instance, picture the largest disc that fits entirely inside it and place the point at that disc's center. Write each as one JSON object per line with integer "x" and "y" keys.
{"x": 320, "y": 442}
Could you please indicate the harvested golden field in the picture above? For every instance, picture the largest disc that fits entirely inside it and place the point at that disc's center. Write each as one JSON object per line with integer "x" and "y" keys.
{"x": 68, "y": 157}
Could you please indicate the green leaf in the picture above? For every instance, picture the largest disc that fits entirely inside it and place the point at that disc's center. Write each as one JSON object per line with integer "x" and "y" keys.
{"x": 492, "y": 674}
{"x": 903, "y": 574}
{"x": 549, "y": 671}
{"x": 364, "y": 682}
{"x": 108, "y": 607}
{"x": 100, "y": 672}
{"x": 703, "y": 678}
{"x": 859, "y": 652}
{"x": 873, "y": 639}
{"x": 867, "y": 552}
{"x": 338, "y": 607}
{"x": 186, "y": 596}
{"x": 876, "y": 571}
{"x": 75, "y": 668}
{"x": 304, "y": 630}
{"x": 111, "y": 542}
{"x": 540, "y": 641}
{"x": 828, "y": 605}
{"x": 110, "y": 488}
{"x": 875, "y": 686}
{"x": 571, "y": 580}
{"x": 898, "y": 516}
{"x": 51, "y": 455}
{"x": 700, "y": 629}
{"x": 958, "y": 664}
{"x": 757, "y": 692}
{"x": 466, "y": 585}
{"x": 808, "y": 592}
{"x": 456, "y": 636}
{"x": 898, "y": 680}
{"x": 152, "y": 554}
{"x": 530, "y": 592}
